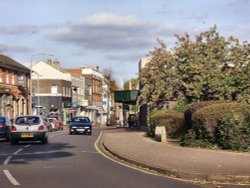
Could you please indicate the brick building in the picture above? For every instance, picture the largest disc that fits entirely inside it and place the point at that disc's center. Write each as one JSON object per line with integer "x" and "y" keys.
{"x": 14, "y": 88}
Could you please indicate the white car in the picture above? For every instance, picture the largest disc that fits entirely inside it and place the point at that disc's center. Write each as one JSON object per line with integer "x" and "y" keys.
{"x": 29, "y": 128}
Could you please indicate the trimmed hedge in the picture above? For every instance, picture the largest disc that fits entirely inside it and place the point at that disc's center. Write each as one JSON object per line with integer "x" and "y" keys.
{"x": 172, "y": 120}
{"x": 233, "y": 133}
{"x": 192, "y": 108}
{"x": 225, "y": 125}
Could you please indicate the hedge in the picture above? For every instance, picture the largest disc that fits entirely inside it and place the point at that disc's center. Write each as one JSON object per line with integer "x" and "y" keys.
{"x": 192, "y": 108}
{"x": 225, "y": 125}
{"x": 172, "y": 120}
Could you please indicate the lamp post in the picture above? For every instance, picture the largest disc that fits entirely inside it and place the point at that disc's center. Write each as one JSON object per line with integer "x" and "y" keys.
{"x": 31, "y": 64}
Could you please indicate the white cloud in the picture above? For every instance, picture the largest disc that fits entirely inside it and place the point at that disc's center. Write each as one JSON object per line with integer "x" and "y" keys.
{"x": 106, "y": 32}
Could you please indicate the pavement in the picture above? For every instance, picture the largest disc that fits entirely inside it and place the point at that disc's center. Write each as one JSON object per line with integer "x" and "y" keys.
{"x": 173, "y": 160}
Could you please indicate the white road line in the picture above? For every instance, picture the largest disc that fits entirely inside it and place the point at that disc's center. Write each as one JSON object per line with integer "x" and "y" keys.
{"x": 11, "y": 178}
{"x": 90, "y": 152}
{"x": 27, "y": 146}
{"x": 17, "y": 151}
{"x": 7, "y": 160}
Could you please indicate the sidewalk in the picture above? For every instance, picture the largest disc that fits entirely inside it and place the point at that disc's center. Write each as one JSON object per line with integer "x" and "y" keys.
{"x": 180, "y": 162}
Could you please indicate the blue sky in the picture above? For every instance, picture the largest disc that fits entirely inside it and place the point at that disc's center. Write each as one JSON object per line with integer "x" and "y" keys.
{"x": 111, "y": 33}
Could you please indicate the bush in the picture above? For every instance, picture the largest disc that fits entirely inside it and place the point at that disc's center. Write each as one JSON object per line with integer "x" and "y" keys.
{"x": 226, "y": 125}
{"x": 192, "y": 108}
{"x": 205, "y": 119}
{"x": 233, "y": 133}
{"x": 182, "y": 105}
{"x": 172, "y": 120}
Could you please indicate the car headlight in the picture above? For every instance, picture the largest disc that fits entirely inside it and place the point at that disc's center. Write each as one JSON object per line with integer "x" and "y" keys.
{"x": 86, "y": 127}
{"x": 74, "y": 127}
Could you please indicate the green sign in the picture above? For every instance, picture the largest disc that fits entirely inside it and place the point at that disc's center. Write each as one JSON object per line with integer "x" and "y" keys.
{"x": 126, "y": 96}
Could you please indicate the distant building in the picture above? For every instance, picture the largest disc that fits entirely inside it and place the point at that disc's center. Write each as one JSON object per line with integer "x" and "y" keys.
{"x": 92, "y": 72}
{"x": 14, "y": 88}
{"x": 51, "y": 88}
{"x": 84, "y": 104}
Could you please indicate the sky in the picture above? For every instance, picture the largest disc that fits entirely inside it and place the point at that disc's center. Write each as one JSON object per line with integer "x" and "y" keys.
{"x": 111, "y": 34}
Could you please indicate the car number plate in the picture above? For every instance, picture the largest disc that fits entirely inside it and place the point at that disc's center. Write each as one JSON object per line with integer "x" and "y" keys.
{"x": 27, "y": 135}
{"x": 80, "y": 129}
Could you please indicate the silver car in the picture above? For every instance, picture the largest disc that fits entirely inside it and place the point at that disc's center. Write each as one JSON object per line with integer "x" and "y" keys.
{"x": 29, "y": 128}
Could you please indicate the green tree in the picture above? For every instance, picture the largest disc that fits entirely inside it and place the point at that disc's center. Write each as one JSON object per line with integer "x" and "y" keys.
{"x": 158, "y": 81}
{"x": 209, "y": 67}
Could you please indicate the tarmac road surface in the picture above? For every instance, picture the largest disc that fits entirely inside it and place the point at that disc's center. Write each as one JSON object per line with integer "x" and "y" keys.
{"x": 71, "y": 161}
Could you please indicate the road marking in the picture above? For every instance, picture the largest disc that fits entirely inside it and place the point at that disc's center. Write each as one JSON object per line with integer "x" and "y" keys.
{"x": 27, "y": 146}
{"x": 90, "y": 152}
{"x": 11, "y": 178}
{"x": 7, "y": 160}
{"x": 17, "y": 151}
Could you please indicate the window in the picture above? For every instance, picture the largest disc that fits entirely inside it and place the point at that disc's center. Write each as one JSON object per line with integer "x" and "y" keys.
{"x": 63, "y": 91}
{"x": 21, "y": 79}
{"x": 6, "y": 77}
{"x": 1, "y": 75}
{"x": 54, "y": 89}
{"x": 12, "y": 78}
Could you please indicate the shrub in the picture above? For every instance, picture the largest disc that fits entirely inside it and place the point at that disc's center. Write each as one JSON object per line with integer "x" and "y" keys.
{"x": 172, "y": 120}
{"x": 226, "y": 125}
{"x": 205, "y": 119}
{"x": 192, "y": 108}
{"x": 233, "y": 133}
{"x": 182, "y": 105}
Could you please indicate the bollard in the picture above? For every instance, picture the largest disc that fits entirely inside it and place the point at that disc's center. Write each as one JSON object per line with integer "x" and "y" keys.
{"x": 163, "y": 134}
{"x": 160, "y": 134}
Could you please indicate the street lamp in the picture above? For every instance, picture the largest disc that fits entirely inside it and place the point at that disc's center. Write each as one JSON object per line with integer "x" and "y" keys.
{"x": 31, "y": 64}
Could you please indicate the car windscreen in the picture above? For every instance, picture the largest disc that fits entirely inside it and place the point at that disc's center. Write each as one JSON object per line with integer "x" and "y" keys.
{"x": 81, "y": 119}
{"x": 27, "y": 120}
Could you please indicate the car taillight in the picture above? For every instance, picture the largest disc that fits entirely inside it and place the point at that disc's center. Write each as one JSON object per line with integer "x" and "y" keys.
{"x": 41, "y": 128}
{"x": 1, "y": 126}
{"x": 13, "y": 128}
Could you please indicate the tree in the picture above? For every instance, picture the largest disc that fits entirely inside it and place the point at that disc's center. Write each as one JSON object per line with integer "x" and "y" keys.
{"x": 209, "y": 67}
{"x": 158, "y": 77}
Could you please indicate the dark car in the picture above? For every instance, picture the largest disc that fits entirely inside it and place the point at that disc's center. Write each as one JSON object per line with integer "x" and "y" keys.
{"x": 5, "y": 127}
{"x": 80, "y": 124}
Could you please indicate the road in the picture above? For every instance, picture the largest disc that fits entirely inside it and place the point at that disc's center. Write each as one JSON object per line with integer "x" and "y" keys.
{"x": 71, "y": 161}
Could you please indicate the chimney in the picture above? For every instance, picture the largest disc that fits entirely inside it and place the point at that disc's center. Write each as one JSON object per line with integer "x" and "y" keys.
{"x": 49, "y": 61}
{"x": 56, "y": 64}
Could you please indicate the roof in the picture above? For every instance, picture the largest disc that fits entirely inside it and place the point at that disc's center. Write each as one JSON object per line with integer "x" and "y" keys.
{"x": 7, "y": 62}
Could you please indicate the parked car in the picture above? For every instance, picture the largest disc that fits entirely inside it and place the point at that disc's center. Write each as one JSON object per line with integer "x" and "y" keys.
{"x": 5, "y": 127}
{"x": 52, "y": 124}
{"x": 29, "y": 128}
{"x": 80, "y": 124}
{"x": 59, "y": 122}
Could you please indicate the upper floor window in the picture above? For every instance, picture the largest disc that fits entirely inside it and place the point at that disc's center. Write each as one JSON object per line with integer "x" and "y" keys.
{"x": 54, "y": 89}
{"x": 6, "y": 77}
{"x": 21, "y": 79}
{"x": 12, "y": 78}
{"x": 1, "y": 75}
{"x": 63, "y": 91}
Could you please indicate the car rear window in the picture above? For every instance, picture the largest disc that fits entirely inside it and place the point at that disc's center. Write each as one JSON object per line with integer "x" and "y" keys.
{"x": 81, "y": 119}
{"x": 28, "y": 120}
